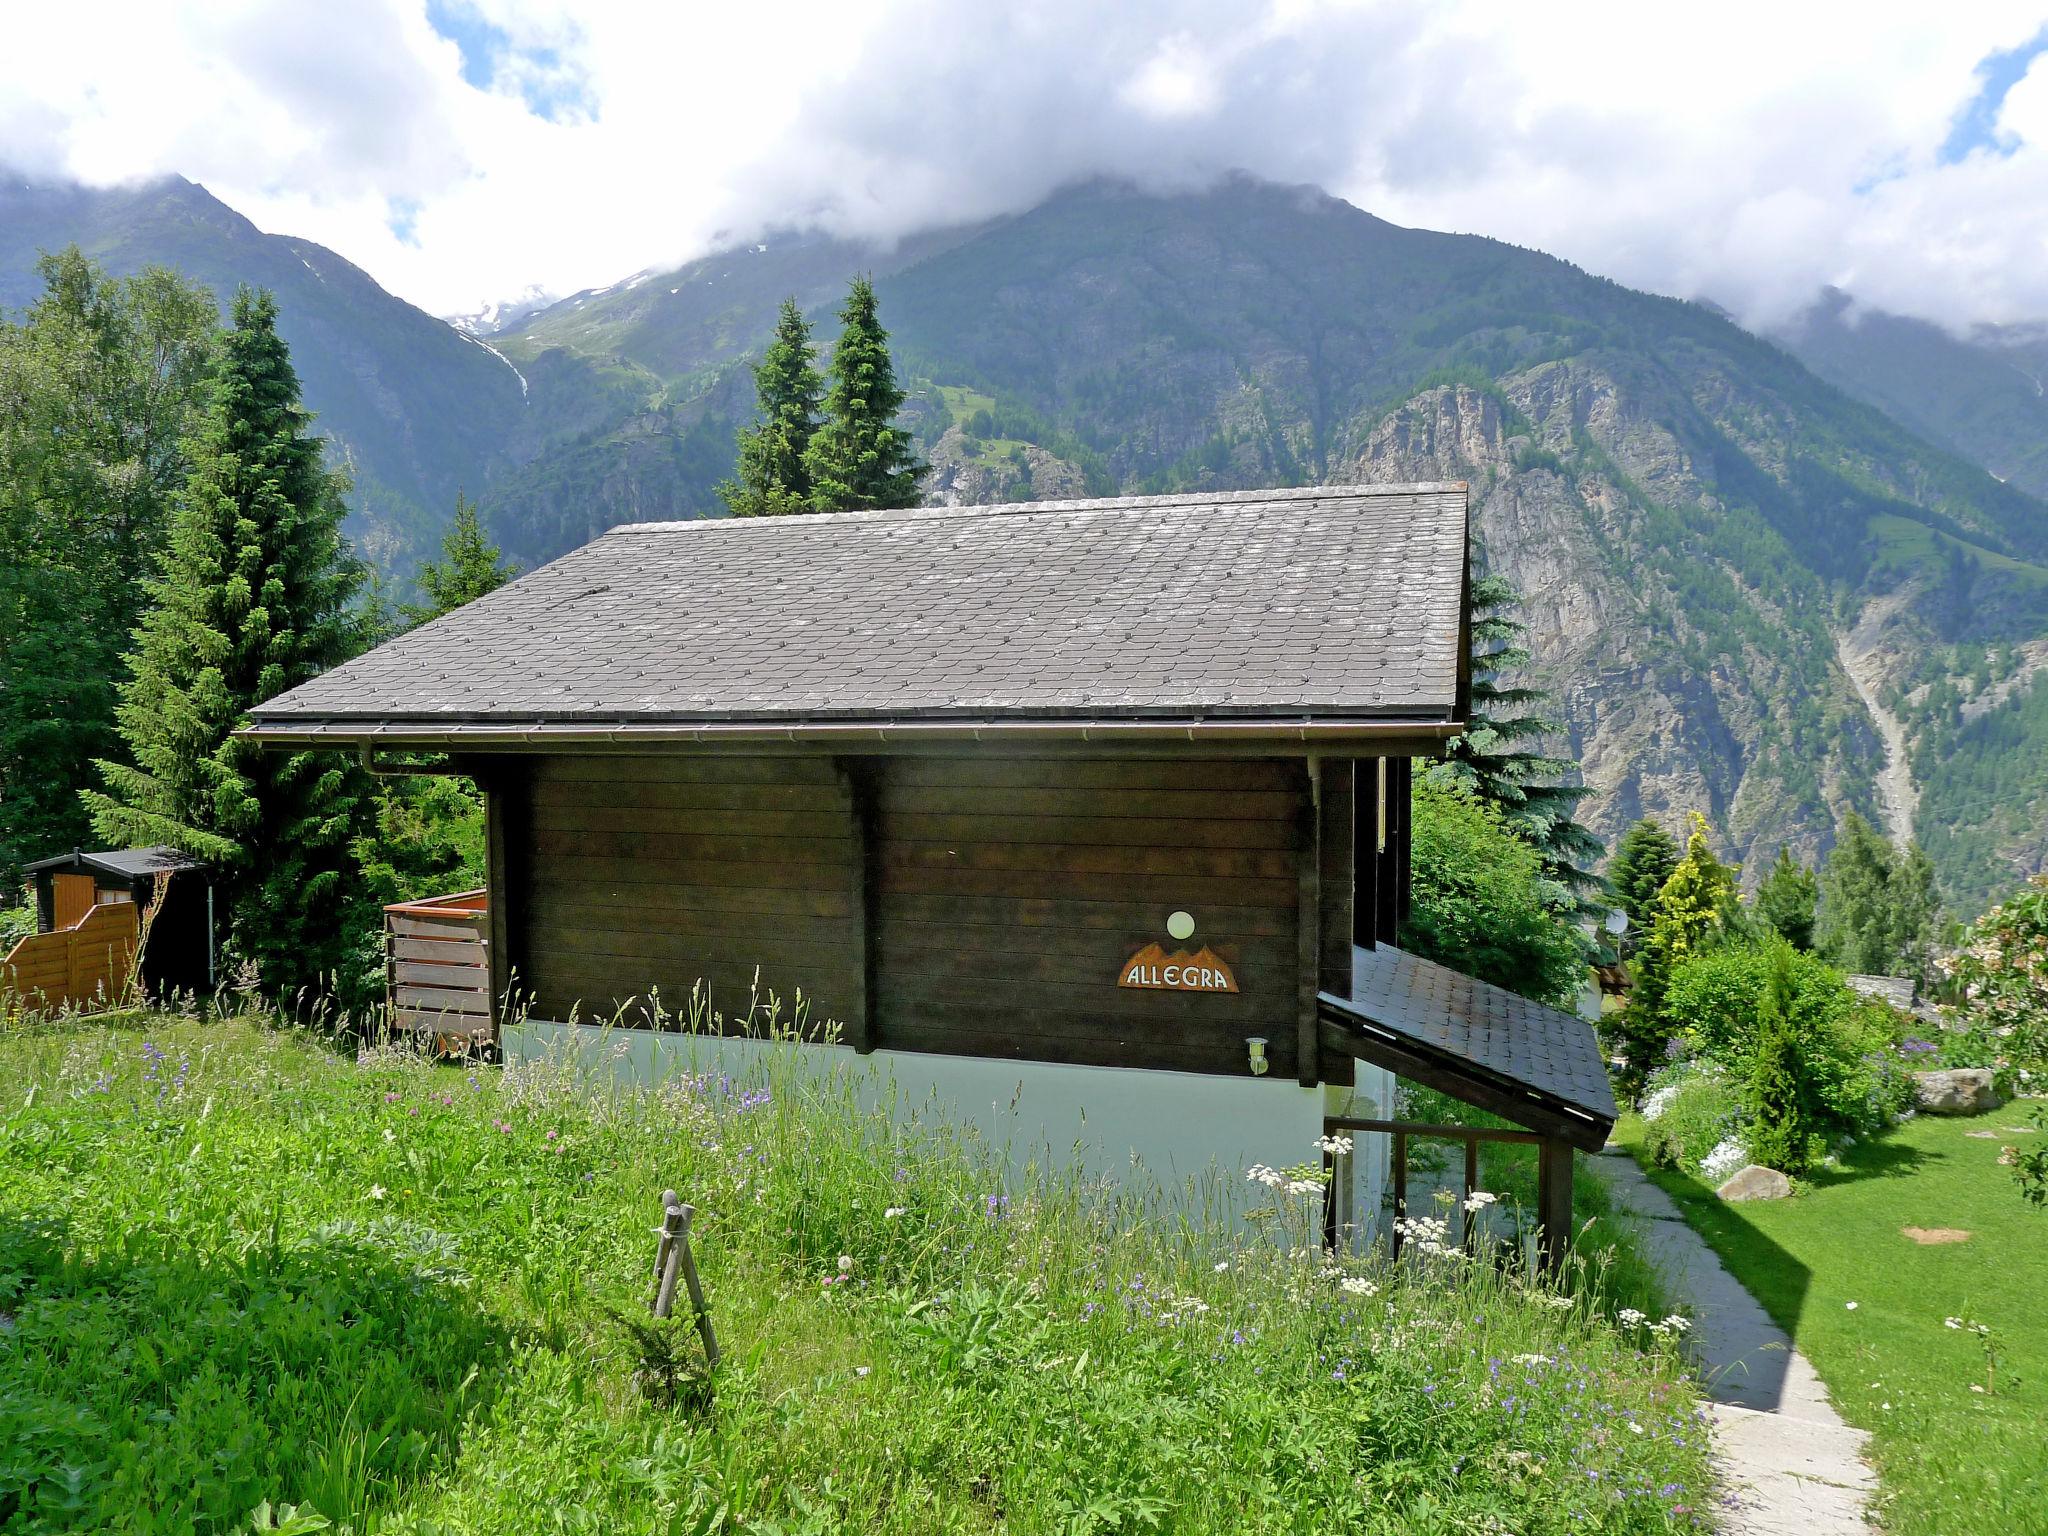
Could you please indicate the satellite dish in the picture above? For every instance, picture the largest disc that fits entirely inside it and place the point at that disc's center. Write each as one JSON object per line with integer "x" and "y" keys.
{"x": 1617, "y": 922}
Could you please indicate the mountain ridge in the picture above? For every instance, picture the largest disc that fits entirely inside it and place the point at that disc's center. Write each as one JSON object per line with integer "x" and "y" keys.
{"x": 1697, "y": 520}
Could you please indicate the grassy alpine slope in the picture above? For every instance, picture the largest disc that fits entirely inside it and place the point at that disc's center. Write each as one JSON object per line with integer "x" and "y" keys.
{"x": 237, "y": 1269}
{"x": 1956, "y": 1415}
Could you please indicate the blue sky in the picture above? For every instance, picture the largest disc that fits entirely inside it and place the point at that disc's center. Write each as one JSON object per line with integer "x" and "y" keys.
{"x": 1977, "y": 125}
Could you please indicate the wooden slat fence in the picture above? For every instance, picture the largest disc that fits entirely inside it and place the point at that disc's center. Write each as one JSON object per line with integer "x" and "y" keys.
{"x": 437, "y": 967}
{"x": 87, "y": 965}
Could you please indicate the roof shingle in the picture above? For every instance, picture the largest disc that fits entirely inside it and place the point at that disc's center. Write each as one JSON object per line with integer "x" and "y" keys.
{"x": 1340, "y": 603}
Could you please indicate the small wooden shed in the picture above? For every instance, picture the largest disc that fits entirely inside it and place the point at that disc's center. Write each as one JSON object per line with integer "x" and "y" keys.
{"x": 179, "y": 953}
{"x": 1012, "y": 793}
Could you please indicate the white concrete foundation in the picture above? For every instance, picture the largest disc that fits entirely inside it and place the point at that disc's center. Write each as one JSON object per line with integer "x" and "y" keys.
{"x": 1180, "y": 1134}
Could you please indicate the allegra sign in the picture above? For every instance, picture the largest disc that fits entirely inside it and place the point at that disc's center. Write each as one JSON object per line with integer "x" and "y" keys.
{"x": 1153, "y": 969}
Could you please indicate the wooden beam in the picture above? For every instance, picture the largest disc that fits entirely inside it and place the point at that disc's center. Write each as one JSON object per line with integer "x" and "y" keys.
{"x": 1401, "y": 837}
{"x": 498, "y": 888}
{"x": 1335, "y": 814}
{"x": 1308, "y": 922}
{"x": 857, "y": 789}
{"x": 1365, "y": 851}
{"x": 1387, "y": 886}
{"x": 1554, "y": 1203}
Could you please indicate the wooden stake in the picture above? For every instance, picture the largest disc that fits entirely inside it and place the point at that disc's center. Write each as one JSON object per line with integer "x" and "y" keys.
{"x": 673, "y": 1259}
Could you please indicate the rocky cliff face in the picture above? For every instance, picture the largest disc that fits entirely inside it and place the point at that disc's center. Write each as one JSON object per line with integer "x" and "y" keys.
{"x": 1561, "y": 467}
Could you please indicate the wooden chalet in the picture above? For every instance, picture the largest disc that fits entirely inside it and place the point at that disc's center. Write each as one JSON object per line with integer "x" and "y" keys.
{"x": 1114, "y": 785}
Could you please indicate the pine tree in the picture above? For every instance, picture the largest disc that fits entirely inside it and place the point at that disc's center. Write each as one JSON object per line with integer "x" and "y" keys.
{"x": 1787, "y": 899}
{"x": 1877, "y": 907}
{"x": 253, "y": 599}
{"x": 773, "y": 475}
{"x": 1643, "y": 861}
{"x": 1497, "y": 758}
{"x": 470, "y": 566}
{"x": 860, "y": 458}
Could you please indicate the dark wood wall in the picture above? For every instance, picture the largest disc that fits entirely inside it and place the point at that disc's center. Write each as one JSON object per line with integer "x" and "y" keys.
{"x": 972, "y": 904}
{"x": 631, "y": 873}
{"x": 1010, "y": 892}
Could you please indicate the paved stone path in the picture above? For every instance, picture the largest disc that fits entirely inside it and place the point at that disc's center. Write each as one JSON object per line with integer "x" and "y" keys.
{"x": 1793, "y": 1466}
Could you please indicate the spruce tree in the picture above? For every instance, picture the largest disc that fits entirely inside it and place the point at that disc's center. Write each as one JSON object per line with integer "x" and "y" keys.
{"x": 1498, "y": 758}
{"x": 773, "y": 475}
{"x": 860, "y": 458}
{"x": 1877, "y": 906}
{"x": 470, "y": 566}
{"x": 253, "y": 599}
{"x": 1786, "y": 901}
{"x": 1643, "y": 861}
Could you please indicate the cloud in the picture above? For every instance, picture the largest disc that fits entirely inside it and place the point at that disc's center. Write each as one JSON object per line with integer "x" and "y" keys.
{"x": 461, "y": 150}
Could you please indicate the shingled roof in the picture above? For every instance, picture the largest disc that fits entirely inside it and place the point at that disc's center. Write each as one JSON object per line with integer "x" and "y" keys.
{"x": 1543, "y": 1065}
{"x": 1338, "y": 608}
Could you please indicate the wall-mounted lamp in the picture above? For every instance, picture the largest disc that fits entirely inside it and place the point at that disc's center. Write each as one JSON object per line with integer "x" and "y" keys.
{"x": 1256, "y": 1046}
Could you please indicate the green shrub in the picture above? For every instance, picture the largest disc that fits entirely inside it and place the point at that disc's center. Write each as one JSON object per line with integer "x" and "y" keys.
{"x": 1482, "y": 903}
{"x": 1688, "y": 1112}
{"x": 1782, "y": 1098}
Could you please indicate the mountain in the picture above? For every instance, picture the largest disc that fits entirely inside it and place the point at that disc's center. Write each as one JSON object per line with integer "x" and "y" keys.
{"x": 416, "y": 410}
{"x": 1740, "y": 580}
{"x": 1982, "y": 394}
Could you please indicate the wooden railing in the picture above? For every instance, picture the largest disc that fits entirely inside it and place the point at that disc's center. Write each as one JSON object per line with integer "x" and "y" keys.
{"x": 437, "y": 968}
{"x": 87, "y": 965}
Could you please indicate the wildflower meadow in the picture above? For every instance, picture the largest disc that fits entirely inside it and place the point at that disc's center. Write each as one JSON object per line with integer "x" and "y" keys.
{"x": 250, "y": 1282}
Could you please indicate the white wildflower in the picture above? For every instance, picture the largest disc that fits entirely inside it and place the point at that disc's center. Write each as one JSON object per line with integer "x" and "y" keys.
{"x": 846, "y": 1263}
{"x": 1677, "y": 1323}
{"x": 1358, "y": 1285}
{"x": 1630, "y": 1317}
{"x": 1336, "y": 1146}
{"x": 376, "y": 1191}
{"x": 1951, "y": 1322}
{"x": 894, "y": 1211}
{"x": 1849, "y": 1306}
{"x": 1562, "y": 1303}
{"x": 1658, "y": 1102}
{"x": 862, "y": 1370}
{"x": 1634, "y": 1428}
{"x": 390, "y": 1134}
{"x": 1222, "y": 1265}
{"x": 1725, "y": 1159}
{"x": 1478, "y": 1201}
{"x": 1532, "y": 1359}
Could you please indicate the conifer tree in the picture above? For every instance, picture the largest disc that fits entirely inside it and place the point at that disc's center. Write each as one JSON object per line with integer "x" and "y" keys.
{"x": 1878, "y": 908}
{"x": 470, "y": 566}
{"x": 1498, "y": 758}
{"x": 860, "y": 458}
{"x": 773, "y": 474}
{"x": 253, "y": 599}
{"x": 1787, "y": 899}
{"x": 1643, "y": 861}
{"x": 1686, "y": 914}
{"x": 1781, "y": 1111}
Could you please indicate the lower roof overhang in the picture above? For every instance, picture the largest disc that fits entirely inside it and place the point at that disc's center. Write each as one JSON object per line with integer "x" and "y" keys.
{"x": 1535, "y": 1066}
{"x": 1389, "y": 736}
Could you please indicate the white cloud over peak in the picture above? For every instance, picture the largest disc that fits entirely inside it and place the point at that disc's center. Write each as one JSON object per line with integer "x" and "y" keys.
{"x": 461, "y": 150}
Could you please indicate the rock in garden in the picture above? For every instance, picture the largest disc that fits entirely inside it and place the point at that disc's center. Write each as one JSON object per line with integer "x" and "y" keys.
{"x": 1756, "y": 1182}
{"x": 1956, "y": 1091}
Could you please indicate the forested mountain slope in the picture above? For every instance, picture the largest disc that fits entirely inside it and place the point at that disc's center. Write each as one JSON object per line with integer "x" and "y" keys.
{"x": 1709, "y": 536}
{"x": 1699, "y": 522}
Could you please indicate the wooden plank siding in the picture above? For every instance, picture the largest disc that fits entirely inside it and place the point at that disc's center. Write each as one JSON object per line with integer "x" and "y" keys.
{"x": 1010, "y": 893}
{"x": 642, "y": 876}
{"x": 961, "y": 904}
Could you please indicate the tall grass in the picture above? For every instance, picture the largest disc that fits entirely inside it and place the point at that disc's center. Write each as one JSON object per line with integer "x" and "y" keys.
{"x": 239, "y": 1272}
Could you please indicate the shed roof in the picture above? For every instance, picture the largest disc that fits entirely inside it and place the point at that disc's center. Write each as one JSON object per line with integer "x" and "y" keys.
{"x": 1542, "y": 1061}
{"x": 1339, "y": 605}
{"x": 124, "y": 863}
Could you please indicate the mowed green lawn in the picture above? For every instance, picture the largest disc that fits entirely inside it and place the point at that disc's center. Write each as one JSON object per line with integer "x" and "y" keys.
{"x": 1961, "y": 1445}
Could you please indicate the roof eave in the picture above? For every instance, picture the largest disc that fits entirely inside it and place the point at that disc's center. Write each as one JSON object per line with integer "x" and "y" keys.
{"x": 1420, "y": 734}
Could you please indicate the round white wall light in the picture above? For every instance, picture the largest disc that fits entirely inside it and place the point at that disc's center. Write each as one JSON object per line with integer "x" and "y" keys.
{"x": 1180, "y": 925}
